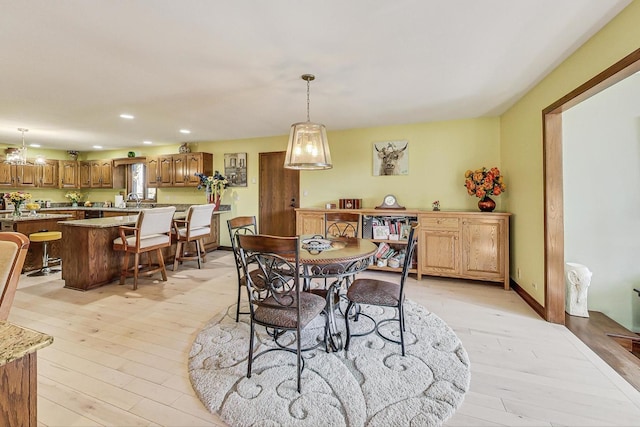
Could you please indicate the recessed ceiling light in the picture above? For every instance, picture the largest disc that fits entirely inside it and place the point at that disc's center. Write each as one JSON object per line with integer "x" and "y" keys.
{"x": 147, "y": 142}
{"x": 98, "y": 147}
{"x": 34, "y": 145}
{"x": 126, "y": 116}
{"x": 185, "y": 131}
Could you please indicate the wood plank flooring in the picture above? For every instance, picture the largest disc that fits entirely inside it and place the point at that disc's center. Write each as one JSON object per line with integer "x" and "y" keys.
{"x": 119, "y": 356}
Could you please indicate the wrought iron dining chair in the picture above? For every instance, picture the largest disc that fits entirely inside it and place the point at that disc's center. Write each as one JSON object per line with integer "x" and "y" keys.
{"x": 341, "y": 224}
{"x": 382, "y": 293}
{"x": 151, "y": 233}
{"x": 13, "y": 252}
{"x": 193, "y": 228}
{"x": 277, "y": 300}
{"x": 240, "y": 225}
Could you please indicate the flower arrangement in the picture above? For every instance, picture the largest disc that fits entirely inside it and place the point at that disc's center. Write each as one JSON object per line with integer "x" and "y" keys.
{"x": 216, "y": 184}
{"x": 484, "y": 182}
{"x": 74, "y": 196}
{"x": 436, "y": 205}
{"x": 17, "y": 197}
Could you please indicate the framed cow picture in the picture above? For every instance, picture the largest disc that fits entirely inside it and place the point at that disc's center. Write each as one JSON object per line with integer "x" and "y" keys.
{"x": 391, "y": 158}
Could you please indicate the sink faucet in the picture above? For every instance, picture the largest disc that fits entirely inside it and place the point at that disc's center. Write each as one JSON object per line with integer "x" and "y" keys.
{"x": 134, "y": 196}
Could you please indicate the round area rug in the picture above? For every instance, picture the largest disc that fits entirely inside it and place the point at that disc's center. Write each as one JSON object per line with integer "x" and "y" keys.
{"x": 370, "y": 385}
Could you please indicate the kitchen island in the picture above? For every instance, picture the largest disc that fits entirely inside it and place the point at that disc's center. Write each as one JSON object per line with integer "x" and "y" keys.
{"x": 87, "y": 249}
{"x": 27, "y": 224}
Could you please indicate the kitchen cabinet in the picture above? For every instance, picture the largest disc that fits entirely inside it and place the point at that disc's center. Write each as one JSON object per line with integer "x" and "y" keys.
{"x": 311, "y": 222}
{"x": 48, "y": 174}
{"x": 212, "y": 241}
{"x": 14, "y": 176}
{"x": 178, "y": 170}
{"x": 68, "y": 173}
{"x": 101, "y": 174}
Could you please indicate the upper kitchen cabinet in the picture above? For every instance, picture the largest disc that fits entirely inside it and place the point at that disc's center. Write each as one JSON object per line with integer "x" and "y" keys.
{"x": 18, "y": 175}
{"x": 48, "y": 174}
{"x": 101, "y": 174}
{"x": 68, "y": 173}
{"x": 178, "y": 170}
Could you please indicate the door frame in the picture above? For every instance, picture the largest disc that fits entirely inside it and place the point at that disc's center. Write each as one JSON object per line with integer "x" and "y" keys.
{"x": 554, "y": 291}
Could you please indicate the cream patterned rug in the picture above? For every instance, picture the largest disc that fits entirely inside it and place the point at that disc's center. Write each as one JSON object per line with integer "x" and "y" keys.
{"x": 372, "y": 385}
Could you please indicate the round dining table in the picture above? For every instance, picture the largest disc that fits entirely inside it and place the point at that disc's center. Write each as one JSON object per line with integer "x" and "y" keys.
{"x": 334, "y": 261}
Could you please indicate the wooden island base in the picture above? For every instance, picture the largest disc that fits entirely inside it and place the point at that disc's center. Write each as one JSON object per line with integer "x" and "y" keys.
{"x": 89, "y": 258}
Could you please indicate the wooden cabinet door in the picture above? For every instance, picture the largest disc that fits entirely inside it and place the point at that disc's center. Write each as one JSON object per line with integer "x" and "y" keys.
{"x": 179, "y": 177}
{"x": 212, "y": 241}
{"x": 85, "y": 174}
{"x": 193, "y": 165}
{"x": 309, "y": 223}
{"x": 7, "y": 172}
{"x": 106, "y": 174}
{"x": 483, "y": 246}
{"x": 439, "y": 252}
{"x": 153, "y": 174}
{"x": 26, "y": 175}
{"x": 96, "y": 174}
{"x": 48, "y": 174}
{"x": 165, "y": 171}
{"x": 68, "y": 172}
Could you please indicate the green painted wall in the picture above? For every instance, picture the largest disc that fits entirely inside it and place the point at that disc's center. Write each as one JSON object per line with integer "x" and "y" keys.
{"x": 521, "y": 141}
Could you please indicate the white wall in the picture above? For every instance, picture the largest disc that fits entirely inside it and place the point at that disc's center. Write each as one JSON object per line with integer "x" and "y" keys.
{"x": 601, "y": 160}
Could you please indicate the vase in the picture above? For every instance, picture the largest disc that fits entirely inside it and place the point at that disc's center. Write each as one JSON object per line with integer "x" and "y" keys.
{"x": 578, "y": 279}
{"x": 217, "y": 202}
{"x": 208, "y": 196}
{"x": 16, "y": 210}
{"x": 74, "y": 204}
{"x": 486, "y": 204}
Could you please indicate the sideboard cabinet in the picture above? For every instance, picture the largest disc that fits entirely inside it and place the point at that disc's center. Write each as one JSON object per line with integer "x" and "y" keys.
{"x": 464, "y": 245}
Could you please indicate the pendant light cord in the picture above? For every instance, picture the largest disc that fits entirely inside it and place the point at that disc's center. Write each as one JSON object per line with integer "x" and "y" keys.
{"x": 308, "y": 84}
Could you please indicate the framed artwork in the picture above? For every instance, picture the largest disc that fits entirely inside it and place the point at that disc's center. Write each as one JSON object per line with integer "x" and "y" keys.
{"x": 235, "y": 169}
{"x": 391, "y": 158}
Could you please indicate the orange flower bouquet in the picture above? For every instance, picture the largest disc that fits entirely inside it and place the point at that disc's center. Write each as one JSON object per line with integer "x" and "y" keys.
{"x": 483, "y": 183}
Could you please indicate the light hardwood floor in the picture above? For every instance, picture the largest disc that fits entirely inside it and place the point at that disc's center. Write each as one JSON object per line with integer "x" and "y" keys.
{"x": 119, "y": 357}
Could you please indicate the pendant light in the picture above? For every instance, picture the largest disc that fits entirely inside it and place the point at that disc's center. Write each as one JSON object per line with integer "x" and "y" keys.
{"x": 308, "y": 148}
{"x": 18, "y": 156}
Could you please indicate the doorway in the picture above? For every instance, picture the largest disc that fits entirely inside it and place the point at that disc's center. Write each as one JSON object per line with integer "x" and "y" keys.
{"x": 553, "y": 182}
{"x": 279, "y": 195}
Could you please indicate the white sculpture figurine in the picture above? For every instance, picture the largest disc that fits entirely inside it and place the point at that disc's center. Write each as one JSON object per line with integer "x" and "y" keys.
{"x": 578, "y": 279}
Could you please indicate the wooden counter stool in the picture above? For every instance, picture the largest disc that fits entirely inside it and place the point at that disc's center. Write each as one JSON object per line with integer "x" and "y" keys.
{"x": 45, "y": 237}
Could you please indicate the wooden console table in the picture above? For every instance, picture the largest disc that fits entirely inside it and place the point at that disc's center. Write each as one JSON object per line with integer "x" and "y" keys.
{"x": 18, "y": 374}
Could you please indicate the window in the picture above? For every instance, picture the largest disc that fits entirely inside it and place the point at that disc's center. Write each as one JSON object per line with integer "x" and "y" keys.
{"x": 137, "y": 182}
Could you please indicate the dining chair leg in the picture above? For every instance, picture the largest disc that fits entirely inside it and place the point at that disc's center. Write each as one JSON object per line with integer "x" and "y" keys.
{"x": 163, "y": 270}
{"x": 401, "y": 325}
{"x": 178, "y": 255}
{"x": 238, "y": 302}
{"x": 299, "y": 359}
{"x": 136, "y": 259}
{"x": 250, "y": 359}
{"x": 203, "y": 254}
{"x": 198, "y": 252}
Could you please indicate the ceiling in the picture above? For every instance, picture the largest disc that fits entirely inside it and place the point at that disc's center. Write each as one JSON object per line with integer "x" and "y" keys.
{"x": 231, "y": 69}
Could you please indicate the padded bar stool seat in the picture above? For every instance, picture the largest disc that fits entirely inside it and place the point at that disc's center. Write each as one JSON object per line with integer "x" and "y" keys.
{"x": 45, "y": 237}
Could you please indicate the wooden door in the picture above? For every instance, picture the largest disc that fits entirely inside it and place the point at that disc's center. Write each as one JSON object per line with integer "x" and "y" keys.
{"x": 279, "y": 195}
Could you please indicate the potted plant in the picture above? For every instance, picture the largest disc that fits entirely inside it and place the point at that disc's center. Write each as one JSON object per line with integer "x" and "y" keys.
{"x": 214, "y": 186}
{"x": 74, "y": 196}
{"x": 483, "y": 183}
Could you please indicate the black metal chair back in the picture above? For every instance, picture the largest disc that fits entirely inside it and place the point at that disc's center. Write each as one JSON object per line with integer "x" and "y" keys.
{"x": 341, "y": 224}
{"x": 241, "y": 225}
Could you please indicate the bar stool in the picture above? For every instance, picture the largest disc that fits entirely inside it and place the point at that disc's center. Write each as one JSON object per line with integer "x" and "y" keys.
{"x": 45, "y": 237}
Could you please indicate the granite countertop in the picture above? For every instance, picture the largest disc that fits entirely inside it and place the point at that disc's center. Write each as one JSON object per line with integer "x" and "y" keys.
{"x": 16, "y": 342}
{"x": 7, "y": 217}
{"x": 129, "y": 209}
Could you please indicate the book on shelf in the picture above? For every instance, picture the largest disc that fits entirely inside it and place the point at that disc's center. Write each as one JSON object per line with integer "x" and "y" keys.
{"x": 382, "y": 249}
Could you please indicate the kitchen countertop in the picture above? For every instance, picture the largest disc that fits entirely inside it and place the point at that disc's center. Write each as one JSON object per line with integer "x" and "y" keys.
{"x": 114, "y": 221}
{"x": 7, "y": 217}
{"x": 128, "y": 209}
{"x": 17, "y": 342}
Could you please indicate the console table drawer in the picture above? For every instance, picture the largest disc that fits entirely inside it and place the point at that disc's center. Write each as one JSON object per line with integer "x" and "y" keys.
{"x": 439, "y": 223}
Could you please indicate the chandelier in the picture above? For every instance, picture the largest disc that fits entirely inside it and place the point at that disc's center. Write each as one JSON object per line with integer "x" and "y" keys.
{"x": 18, "y": 156}
{"x": 308, "y": 148}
